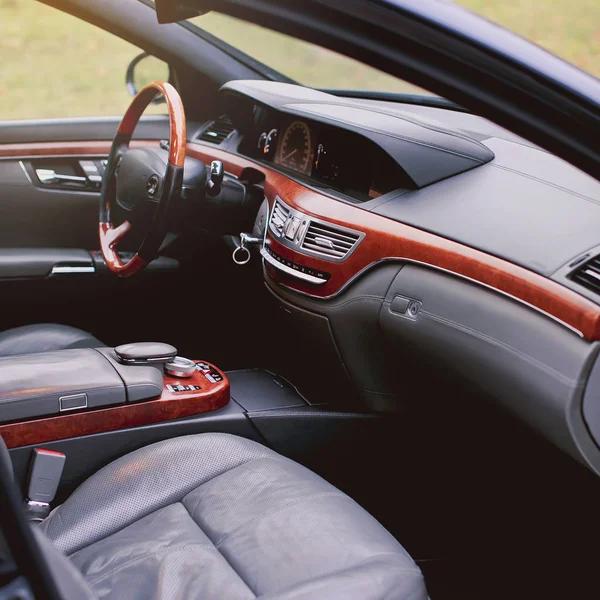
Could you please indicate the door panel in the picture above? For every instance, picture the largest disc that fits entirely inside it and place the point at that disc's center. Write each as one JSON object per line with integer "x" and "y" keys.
{"x": 38, "y": 218}
{"x": 43, "y": 226}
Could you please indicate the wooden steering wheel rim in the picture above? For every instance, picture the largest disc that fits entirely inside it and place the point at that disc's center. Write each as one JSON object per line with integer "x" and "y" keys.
{"x": 109, "y": 235}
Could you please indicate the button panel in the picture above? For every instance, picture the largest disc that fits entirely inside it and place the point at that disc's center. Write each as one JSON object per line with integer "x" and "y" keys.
{"x": 211, "y": 374}
{"x": 183, "y": 388}
{"x": 213, "y": 377}
{"x": 323, "y": 275}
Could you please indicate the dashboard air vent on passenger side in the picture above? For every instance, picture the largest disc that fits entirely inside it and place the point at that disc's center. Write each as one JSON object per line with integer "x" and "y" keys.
{"x": 328, "y": 240}
{"x": 217, "y": 131}
{"x": 588, "y": 275}
{"x": 278, "y": 217}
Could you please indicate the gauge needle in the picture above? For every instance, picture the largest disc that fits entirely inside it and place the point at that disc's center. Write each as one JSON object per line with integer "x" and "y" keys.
{"x": 290, "y": 154}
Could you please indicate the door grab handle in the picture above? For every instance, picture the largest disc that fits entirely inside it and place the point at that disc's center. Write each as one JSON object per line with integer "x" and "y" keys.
{"x": 50, "y": 176}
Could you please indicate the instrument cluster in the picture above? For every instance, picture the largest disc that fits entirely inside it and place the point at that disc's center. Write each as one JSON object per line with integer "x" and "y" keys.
{"x": 327, "y": 156}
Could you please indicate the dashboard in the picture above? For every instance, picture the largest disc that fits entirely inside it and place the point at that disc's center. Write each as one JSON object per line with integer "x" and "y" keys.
{"x": 472, "y": 260}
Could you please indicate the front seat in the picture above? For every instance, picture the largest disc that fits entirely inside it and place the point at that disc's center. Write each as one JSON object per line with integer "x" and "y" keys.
{"x": 219, "y": 516}
{"x": 44, "y": 338}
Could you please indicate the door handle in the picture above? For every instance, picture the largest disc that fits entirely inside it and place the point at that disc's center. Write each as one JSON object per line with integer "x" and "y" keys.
{"x": 51, "y": 176}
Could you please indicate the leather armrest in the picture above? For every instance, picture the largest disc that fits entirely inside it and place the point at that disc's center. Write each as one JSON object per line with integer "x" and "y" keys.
{"x": 142, "y": 382}
{"x": 32, "y": 385}
{"x": 17, "y": 263}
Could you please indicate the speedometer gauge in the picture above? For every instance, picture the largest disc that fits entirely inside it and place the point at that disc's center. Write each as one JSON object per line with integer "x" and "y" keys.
{"x": 295, "y": 149}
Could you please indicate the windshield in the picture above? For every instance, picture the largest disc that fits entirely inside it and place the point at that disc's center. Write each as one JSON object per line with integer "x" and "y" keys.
{"x": 303, "y": 62}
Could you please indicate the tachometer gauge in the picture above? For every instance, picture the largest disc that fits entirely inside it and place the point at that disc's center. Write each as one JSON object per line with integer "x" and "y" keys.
{"x": 295, "y": 149}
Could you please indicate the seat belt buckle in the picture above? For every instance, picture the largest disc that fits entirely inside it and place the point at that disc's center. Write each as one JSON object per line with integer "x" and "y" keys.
{"x": 44, "y": 476}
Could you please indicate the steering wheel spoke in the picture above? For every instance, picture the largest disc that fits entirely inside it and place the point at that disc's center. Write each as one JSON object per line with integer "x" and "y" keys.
{"x": 109, "y": 238}
{"x": 169, "y": 186}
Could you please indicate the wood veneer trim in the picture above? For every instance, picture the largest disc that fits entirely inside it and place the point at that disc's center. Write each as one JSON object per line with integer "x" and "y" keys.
{"x": 385, "y": 239}
{"x": 109, "y": 237}
{"x": 388, "y": 239}
{"x": 51, "y": 149}
{"x": 169, "y": 406}
{"x": 177, "y": 124}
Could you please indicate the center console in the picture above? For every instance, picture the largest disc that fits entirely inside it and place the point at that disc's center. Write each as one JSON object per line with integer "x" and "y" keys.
{"x": 67, "y": 393}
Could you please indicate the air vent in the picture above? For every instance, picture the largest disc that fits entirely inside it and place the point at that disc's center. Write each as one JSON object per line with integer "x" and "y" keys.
{"x": 217, "y": 131}
{"x": 331, "y": 241}
{"x": 278, "y": 217}
{"x": 588, "y": 275}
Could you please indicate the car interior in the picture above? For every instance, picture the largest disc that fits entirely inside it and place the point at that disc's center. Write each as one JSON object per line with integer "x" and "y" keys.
{"x": 287, "y": 342}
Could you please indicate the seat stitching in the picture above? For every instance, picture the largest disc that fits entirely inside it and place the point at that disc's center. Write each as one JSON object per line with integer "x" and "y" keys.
{"x": 276, "y": 510}
{"x": 411, "y": 571}
{"x": 132, "y": 561}
{"x": 229, "y": 563}
{"x": 274, "y": 458}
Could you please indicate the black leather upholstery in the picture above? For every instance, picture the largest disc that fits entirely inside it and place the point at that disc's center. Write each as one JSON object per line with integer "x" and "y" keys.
{"x": 44, "y": 338}
{"x": 219, "y": 516}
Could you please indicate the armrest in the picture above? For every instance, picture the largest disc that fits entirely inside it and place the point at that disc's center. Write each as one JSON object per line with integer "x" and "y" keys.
{"x": 22, "y": 263}
{"x": 52, "y": 383}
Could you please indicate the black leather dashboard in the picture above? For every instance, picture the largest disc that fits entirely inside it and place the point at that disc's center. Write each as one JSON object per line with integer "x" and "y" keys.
{"x": 474, "y": 182}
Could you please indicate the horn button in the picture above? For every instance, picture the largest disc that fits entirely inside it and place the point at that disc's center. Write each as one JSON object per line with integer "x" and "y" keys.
{"x": 140, "y": 176}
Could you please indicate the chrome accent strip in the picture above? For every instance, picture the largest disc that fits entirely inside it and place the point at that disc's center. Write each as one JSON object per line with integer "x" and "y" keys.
{"x": 425, "y": 264}
{"x": 145, "y": 361}
{"x": 180, "y": 367}
{"x": 592, "y": 273}
{"x": 25, "y": 171}
{"x": 70, "y": 270}
{"x": 61, "y": 409}
{"x": 299, "y": 275}
{"x": 48, "y": 176}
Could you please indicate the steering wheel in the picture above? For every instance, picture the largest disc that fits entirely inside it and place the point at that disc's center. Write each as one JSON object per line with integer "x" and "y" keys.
{"x": 141, "y": 182}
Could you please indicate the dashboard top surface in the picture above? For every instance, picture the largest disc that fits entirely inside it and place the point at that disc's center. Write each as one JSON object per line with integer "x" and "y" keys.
{"x": 518, "y": 202}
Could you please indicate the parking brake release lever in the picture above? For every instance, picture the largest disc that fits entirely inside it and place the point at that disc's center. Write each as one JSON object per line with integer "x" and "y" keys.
{"x": 241, "y": 255}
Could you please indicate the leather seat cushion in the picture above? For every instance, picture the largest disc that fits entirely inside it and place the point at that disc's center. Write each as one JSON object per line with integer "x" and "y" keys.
{"x": 218, "y": 516}
{"x": 44, "y": 337}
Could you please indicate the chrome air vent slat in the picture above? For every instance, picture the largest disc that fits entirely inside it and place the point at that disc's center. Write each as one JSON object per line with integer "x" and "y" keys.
{"x": 317, "y": 230}
{"x": 217, "y": 131}
{"x": 279, "y": 216}
{"x": 329, "y": 240}
{"x": 312, "y": 236}
{"x": 588, "y": 275}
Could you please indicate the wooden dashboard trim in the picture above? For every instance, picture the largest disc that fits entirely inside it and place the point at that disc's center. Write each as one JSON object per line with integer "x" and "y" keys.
{"x": 385, "y": 239}
{"x": 52, "y": 149}
{"x": 388, "y": 239}
{"x": 171, "y": 405}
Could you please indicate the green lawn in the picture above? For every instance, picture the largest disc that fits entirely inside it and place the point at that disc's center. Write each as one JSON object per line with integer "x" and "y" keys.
{"x": 53, "y": 65}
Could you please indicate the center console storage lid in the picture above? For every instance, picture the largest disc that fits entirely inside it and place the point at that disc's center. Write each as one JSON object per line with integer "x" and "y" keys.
{"x": 258, "y": 390}
{"x": 39, "y": 384}
{"x": 51, "y": 383}
{"x": 142, "y": 381}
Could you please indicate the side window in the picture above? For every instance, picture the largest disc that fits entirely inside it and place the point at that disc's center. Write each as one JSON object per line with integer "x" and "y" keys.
{"x": 55, "y": 65}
